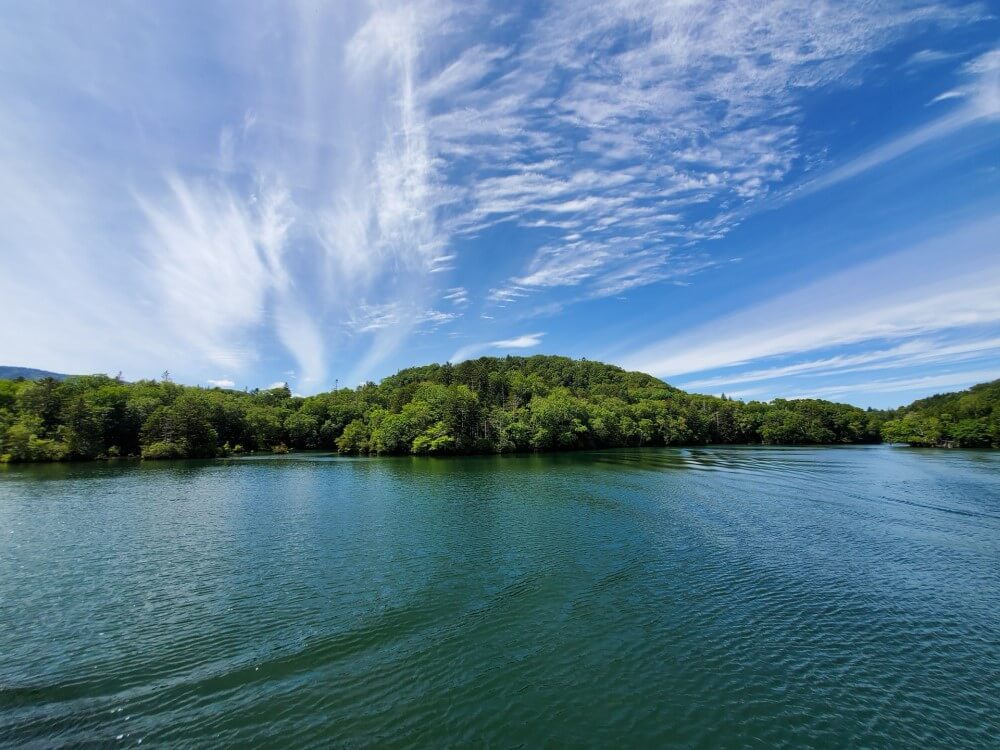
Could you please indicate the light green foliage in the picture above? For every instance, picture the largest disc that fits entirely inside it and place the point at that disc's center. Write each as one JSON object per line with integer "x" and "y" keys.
{"x": 434, "y": 439}
{"x": 355, "y": 438}
{"x": 163, "y": 449}
{"x": 23, "y": 442}
{"x": 395, "y": 433}
{"x": 8, "y": 394}
{"x": 557, "y": 421}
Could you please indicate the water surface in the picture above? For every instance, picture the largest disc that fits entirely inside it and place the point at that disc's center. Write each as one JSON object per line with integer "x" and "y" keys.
{"x": 717, "y": 597}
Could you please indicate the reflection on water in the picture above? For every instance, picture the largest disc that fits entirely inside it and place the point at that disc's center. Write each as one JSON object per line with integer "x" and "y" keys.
{"x": 697, "y": 597}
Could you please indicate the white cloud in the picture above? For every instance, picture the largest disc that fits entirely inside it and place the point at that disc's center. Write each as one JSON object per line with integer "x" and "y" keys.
{"x": 458, "y": 296}
{"x": 324, "y": 183}
{"x": 949, "y": 282}
{"x": 665, "y": 111}
{"x": 982, "y": 102}
{"x": 222, "y": 383}
{"x": 357, "y": 145}
{"x": 907, "y": 354}
{"x": 396, "y": 315}
{"x": 953, "y": 94}
{"x": 926, "y": 57}
{"x": 525, "y": 341}
{"x": 949, "y": 380}
{"x": 213, "y": 264}
{"x": 301, "y": 336}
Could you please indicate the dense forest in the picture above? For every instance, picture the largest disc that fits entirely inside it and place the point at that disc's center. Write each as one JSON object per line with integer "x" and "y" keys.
{"x": 495, "y": 405}
{"x": 967, "y": 419}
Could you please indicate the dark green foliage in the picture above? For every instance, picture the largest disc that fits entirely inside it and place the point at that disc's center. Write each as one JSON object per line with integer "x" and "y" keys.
{"x": 483, "y": 405}
{"x": 302, "y": 429}
{"x": 185, "y": 424}
{"x": 966, "y": 419}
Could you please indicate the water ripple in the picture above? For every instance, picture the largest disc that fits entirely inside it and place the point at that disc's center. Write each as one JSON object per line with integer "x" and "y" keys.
{"x": 709, "y": 597}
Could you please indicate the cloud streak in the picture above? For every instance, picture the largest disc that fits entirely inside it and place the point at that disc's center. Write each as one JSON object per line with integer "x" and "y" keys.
{"x": 908, "y": 354}
{"x": 952, "y": 281}
{"x": 950, "y": 380}
{"x": 982, "y": 103}
{"x": 525, "y": 341}
{"x": 362, "y": 174}
{"x": 693, "y": 90}
{"x": 323, "y": 191}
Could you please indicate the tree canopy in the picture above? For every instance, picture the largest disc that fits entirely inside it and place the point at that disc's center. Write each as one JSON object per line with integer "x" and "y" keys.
{"x": 966, "y": 419}
{"x": 486, "y": 405}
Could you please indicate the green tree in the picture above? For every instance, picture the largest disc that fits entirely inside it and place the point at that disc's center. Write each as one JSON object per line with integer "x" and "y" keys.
{"x": 434, "y": 439}
{"x": 302, "y": 430}
{"x": 500, "y": 404}
{"x": 355, "y": 438}
{"x": 182, "y": 429}
{"x": 913, "y": 430}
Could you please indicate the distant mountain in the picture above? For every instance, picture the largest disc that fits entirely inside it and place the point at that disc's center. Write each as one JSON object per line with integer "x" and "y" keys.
{"x": 28, "y": 373}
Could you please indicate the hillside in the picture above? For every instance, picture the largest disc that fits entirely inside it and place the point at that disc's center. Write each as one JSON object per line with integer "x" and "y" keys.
{"x": 28, "y": 373}
{"x": 965, "y": 419}
{"x": 486, "y": 405}
{"x": 483, "y": 405}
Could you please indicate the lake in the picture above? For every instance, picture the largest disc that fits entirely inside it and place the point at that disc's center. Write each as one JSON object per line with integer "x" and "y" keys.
{"x": 702, "y": 598}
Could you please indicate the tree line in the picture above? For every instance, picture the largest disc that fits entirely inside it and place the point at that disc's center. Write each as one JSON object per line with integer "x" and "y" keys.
{"x": 487, "y": 405}
{"x": 966, "y": 419}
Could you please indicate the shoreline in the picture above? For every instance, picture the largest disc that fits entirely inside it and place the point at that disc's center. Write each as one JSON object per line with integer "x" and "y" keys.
{"x": 257, "y": 455}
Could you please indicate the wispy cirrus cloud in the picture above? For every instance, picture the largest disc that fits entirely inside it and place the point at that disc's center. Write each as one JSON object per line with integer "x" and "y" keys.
{"x": 926, "y": 57}
{"x": 458, "y": 296}
{"x": 949, "y": 282}
{"x": 524, "y": 341}
{"x": 948, "y": 380}
{"x": 981, "y": 95}
{"x": 917, "y": 352}
{"x": 215, "y": 260}
{"x": 351, "y": 174}
{"x": 627, "y": 132}
{"x": 267, "y": 215}
{"x": 395, "y": 315}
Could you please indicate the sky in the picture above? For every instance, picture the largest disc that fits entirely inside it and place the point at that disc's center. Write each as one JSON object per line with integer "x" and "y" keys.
{"x": 762, "y": 199}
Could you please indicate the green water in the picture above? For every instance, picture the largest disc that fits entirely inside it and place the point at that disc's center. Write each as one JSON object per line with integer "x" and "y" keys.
{"x": 720, "y": 597}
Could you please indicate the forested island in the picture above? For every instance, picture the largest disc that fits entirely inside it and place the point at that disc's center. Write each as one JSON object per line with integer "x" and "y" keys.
{"x": 486, "y": 405}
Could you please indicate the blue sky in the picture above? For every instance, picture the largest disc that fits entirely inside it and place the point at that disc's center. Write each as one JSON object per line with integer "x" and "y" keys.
{"x": 757, "y": 199}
